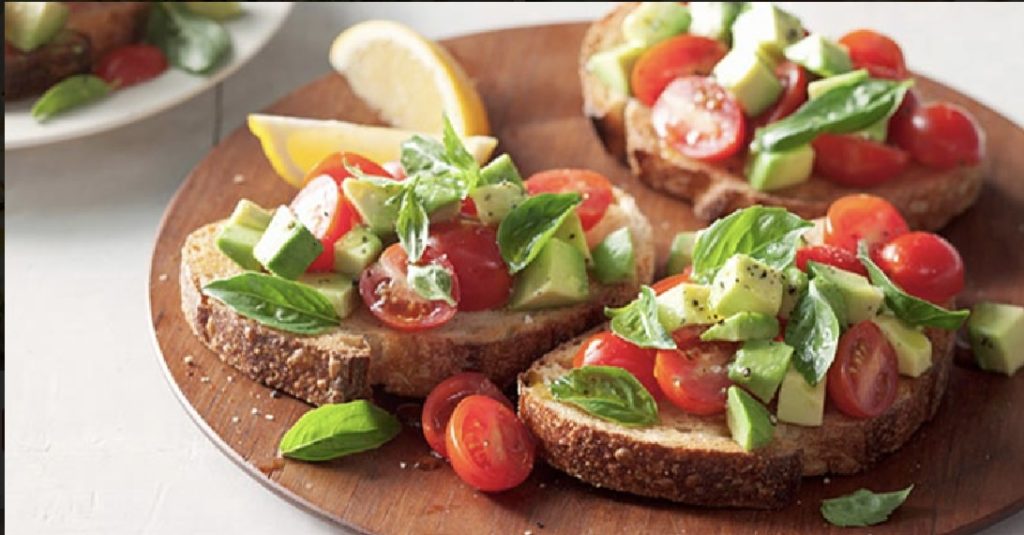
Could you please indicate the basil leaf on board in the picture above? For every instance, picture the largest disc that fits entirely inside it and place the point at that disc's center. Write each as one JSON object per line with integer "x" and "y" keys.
{"x": 839, "y": 111}
{"x": 863, "y": 507}
{"x": 275, "y": 302}
{"x": 432, "y": 282}
{"x": 191, "y": 42}
{"x": 638, "y": 322}
{"x": 529, "y": 226}
{"x": 412, "y": 225}
{"x": 335, "y": 430}
{"x": 770, "y": 235}
{"x": 907, "y": 307}
{"x": 607, "y": 392}
{"x": 813, "y": 331}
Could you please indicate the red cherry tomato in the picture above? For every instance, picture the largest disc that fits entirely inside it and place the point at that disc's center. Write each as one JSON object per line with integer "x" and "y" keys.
{"x": 439, "y": 405}
{"x": 941, "y": 135}
{"x": 472, "y": 248}
{"x": 334, "y": 165}
{"x": 130, "y": 64}
{"x": 794, "y": 79}
{"x": 684, "y": 55}
{"x": 901, "y": 123}
{"x": 606, "y": 349}
{"x": 831, "y": 255}
{"x": 672, "y": 281}
{"x": 389, "y": 297}
{"x": 880, "y": 55}
{"x": 855, "y": 162}
{"x": 862, "y": 217}
{"x": 695, "y": 376}
{"x": 924, "y": 265}
{"x": 594, "y": 187}
{"x": 699, "y": 119}
{"x": 468, "y": 208}
{"x": 489, "y": 447}
{"x": 864, "y": 378}
{"x": 321, "y": 207}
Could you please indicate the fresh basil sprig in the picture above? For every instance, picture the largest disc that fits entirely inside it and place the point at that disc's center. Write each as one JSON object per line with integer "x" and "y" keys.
{"x": 336, "y": 430}
{"x": 529, "y": 226}
{"x": 445, "y": 171}
{"x": 863, "y": 507}
{"x": 607, "y": 392}
{"x": 770, "y": 235}
{"x": 275, "y": 302}
{"x": 813, "y": 330}
{"x": 907, "y": 307}
{"x": 412, "y": 225}
{"x": 191, "y": 42}
{"x": 839, "y": 111}
{"x": 432, "y": 282}
{"x": 638, "y": 322}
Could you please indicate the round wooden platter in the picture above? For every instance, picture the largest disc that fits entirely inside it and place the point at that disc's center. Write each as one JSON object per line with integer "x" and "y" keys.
{"x": 966, "y": 464}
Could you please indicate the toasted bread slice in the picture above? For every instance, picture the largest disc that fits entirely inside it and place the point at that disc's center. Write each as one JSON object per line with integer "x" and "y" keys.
{"x": 693, "y": 459}
{"x": 344, "y": 363}
{"x": 927, "y": 198}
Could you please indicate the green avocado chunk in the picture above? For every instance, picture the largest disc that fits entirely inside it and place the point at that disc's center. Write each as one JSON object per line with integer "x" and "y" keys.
{"x": 913, "y": 349}
{"x": 499, "y": 171}
{"x": 749, "y": 79}
{"x": 749, "y": 422}
{"x": 744, "y": 284}
{"x": 766, "y": 24}
{"x": 356, "y": 250}
{"x": 614, "y": 258}
{"x": 680, "y": 254}
{"x": 30, "y": 25}
{"x": 556, "y": 277}
{"x": 760, "y": 366}
{"x": 287, "y": 248}
{"x": 769, "y": 171}
{"x": 685, "y": 304}
{"x": 242, "y": 231}
{"x": 369, "y": 197}
{"x": 572, "y": 233}
{"x": 714, "y": 19}
{"x": 494, "y": 201}
{"x": 337, "y": 288}
{"x": 653, "y": 22}
{"x": 743, "y": 326}
{"x": 794, "y": 282}
{"x": 800, "y": 403}
{"x": 819, "y": 55}
{"x": 614, "y": 66}
{"x": 997, "y": 336}
{"x": 863, "y": 301}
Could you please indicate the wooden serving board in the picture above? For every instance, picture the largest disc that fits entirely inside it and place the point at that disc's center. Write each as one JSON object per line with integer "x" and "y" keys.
{"x": 967, "y": 464}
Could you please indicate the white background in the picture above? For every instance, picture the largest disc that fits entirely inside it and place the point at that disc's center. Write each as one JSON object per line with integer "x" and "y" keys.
{"x": 95, "y": 442}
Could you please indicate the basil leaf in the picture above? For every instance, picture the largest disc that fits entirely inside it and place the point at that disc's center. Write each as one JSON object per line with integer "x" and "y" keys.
{"x": 275, "y": 302}
{"x": 907, "y": 307}
{"x": 770, "y": 235}
{"x": 412, "y": 225}
{"x": 421, "y": 153}
{"x": 336, "y": 430}
{"x": 829, "y": 288}
{"x": 191, "y": 42}
{"x": 607, "y": 392}
{"x": 638, "y": 322}
{"x": 813, "y": 331}
{"x": 432, "y": 282}
{"x": 460, "y": 158}
{"x": 839, "y": 111}
{"x": 863, "y": 507}
{"x": 69, "y": 93}
{"x": 529, "y": 226}
{"x": 446, "y": 171}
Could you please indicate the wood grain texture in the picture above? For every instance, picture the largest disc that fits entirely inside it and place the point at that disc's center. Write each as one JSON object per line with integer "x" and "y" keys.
{"x": 967, "y": 463}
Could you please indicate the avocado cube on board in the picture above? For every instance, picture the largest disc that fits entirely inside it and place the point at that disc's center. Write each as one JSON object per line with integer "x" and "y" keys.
{"x": 572, "y": 232}
{"x": 356, "y": 250}
{"x": 863, "y": 301}
{"x": 614, "y": 259}
{"x": 997, "y": 337}
{"x": 818, "y": 88}
{"x": 751, "y": 81}
{"x": 652, "y": 22}
{"x": 744, "y": 284}
{"x": 680, "y": 254}
{"x": 819, "y": 55}
{"x": 337, "y": 288}
{"x": 685, "y": 304}
{"x": 799, "y": 402}
{"x": 556, "y": 277}
{"x": 774, "y": 170}
{"x": 794, "y": 282}
{"x": 749, "y": 422}
{"x": 760, "y": 366}
{"x": 287, "y": 248}
{"x": 913, "y": 349}
{"x": 743, "y": 326}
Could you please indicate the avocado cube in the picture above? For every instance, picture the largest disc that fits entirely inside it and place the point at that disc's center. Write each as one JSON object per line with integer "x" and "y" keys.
{"x": 614, "y": 259}
{"x": 237, "y": 243}
{"x": 500, "y": 170}
{"x": 863, "y": 301}
{"x": 572, "y": 233}
{"x": 652, "y": 22}
{"x": 356, "y": 250}
{"x": 685, "y": 304}
{"x": 749, "y": 422}
{"x": 774, "y": 170}
{"x": 819, "y": 55}
{"x": 744, "y": 284}
{"x": 743, "y": 326}
{"x": 760, "y": 366}
{"x": 818, "y": 88}
{"x": 913, "y": 349}
{"x": 250, "y": 214}
{"x": 370, "y": 199}
{"x": 680, "y": 254}
{"x": 794, "y": 282}
{"x": 30, "y": 25}
{"x": 997, "y": 336}
{"x": 749, "y": 80}
{"x": 614, "y": 66}
{"x": 494, "y": 201}
{"x": 714, "y": 19}
{"x": 556, "y": 277}
{"x": 287, "y": 248}
{"x": 764, "y": 23}
{"x": 338, "y": 289}
{"x": 799, "y": 402}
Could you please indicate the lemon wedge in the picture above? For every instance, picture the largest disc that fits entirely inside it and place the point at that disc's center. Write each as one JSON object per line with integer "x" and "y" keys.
{"x": 407, "y": 78}
{"x": 294, "y": 145}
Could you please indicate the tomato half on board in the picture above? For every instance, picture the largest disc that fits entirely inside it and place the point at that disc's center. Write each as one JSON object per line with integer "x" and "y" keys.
{"x": 794, "y": 80}
{"x": 472, "y": 249}
{"x": 322, "y": 208}
{"x": 439, "y": 405}
{"x": 941, "y": 135}
{"x": 130, "y": 64}
{"x": 855, "y": 162}
{"x": 863, "y": 380}
{"x": 595, "y": 189}
{"x": 831, "y": 255}
{"x": 387, "y": 293}
{"x": 862, "y": 217}
{"x": 606, "y": 349}
{"x": 698, "y": 118}
{"x": 695, "y": 376}
{"x": 924, "y": 265}
{"x": 880, "y": 55}
{"x": 683, "y": 55}
{"x": 489, "y": 447}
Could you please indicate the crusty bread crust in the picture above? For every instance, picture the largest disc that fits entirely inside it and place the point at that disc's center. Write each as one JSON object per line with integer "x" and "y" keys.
{"x": 927, "y": 198}
{"x": 343, "y": 364}
{"x": 693, "y": 459}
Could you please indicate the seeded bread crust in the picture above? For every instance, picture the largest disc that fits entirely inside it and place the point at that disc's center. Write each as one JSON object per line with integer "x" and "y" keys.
{"x": 927, "y": 198}
{"x": 343, "y": 364}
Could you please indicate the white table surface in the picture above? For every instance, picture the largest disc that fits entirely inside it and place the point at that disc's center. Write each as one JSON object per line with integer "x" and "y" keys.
{"x": 95, "y": 441}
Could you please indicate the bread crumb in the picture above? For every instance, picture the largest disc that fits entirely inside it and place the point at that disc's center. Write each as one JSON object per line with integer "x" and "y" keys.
{"x": 275, "y": 393}
{"x": 231, "y": 378}
{"x": 527, "y": 319}
{"x": 269, "y": 417}
{"x": 258, "y": 396}
{"x": 162, "y": 277}
{"x": 189, "y": 360}
{"x": 308, "y": 486}
{"x": 528, "y": 532}
{"x": 204, "y": 379}
{"x": 254, "y": 411}
{"x": 238, "y": 178}
{"x": 234, "y": 419}
{"x": 826, "y": 481}
{"x": 542, "y": 485}
{"x": 402, "y": 464}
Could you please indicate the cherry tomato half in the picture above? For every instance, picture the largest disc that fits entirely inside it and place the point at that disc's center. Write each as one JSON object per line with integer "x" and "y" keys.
{"x": 941, "y": 135}
{"x": 606, "y": 349}
{"x": 389, "y": 297}
{"x": 489, "y": 447}
{"x": 901, "y": 123}
{"x": 439, "y": 405}
{"x": 594, "y": 187}
{"x": 684, "y": 55}
{"x": 879, "y": 54}
{"x": 321, "y": 207}
{"x": 864, "y": 378}
{"x": 855, "y": 162}
{"x": 695, "y": 376}
{"x": 794, "y": 79}
{"x": 699, "y": 119}
{"x": 831, "y": 255}
{"x": 472, "y": 249}
{"x": 130, "y": 64}
{"x": 862, "y": 217}
{"x": 672, "y": 281}
{"x": 924, "y": 265}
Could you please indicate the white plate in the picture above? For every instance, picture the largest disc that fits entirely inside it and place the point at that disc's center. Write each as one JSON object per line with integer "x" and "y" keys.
{"x": 248, "y": 35}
